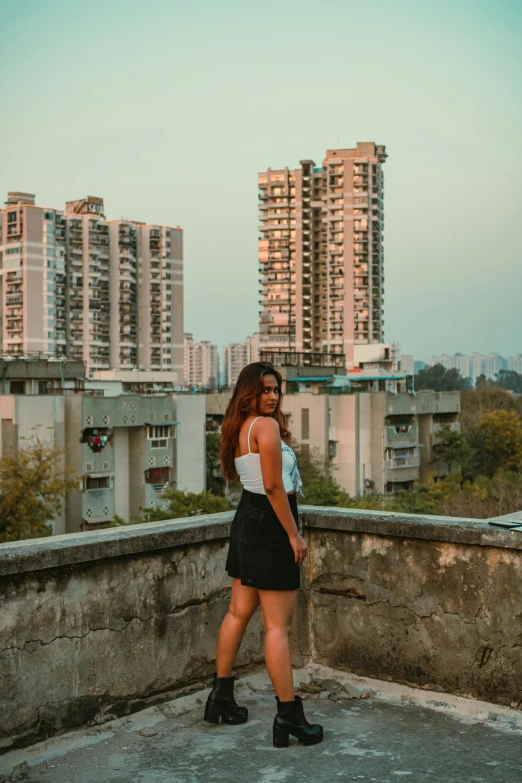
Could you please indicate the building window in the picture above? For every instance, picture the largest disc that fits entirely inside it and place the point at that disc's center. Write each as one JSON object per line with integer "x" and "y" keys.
{"x": 97, "y": 482}
{"x": 332, "y": 449}
{"x": 11, "y": 217}
{"x": 158, "y": 431}
{"x": 159, "y": 476}
{"x": 305, "y": 423}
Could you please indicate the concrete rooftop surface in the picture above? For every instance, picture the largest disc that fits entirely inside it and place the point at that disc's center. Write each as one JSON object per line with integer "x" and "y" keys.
{"x": 374, "y": 731}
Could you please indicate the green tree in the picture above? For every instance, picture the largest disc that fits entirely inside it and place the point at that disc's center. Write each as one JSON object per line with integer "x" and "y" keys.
{"x": 484, "y": 399}
{"x": 452, "y": 449}
{"x": 482, "y": 382}
{"x": 497, "y": 442}
{"x": 510, "y": 380}
{"x": 438, "y": 378}
{"x": 319, "y": 485}
{"x": 33, "y": 485}
{"x": 184, "y": 504}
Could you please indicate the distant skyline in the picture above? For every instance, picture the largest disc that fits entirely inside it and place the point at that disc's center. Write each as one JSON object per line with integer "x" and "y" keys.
{"x": 168, "y": 111}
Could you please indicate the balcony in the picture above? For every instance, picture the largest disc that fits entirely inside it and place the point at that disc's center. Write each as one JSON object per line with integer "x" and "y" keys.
{"x": 408, "y": 461}
{"x": 454, "y": 675}
{"x": 402, "y": 434}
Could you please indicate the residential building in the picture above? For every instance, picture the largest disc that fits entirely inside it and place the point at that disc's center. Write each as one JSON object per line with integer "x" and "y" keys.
{"x": 237, "y": 356}
{"x": 321, "y": 253}
{"x": 375, "y": 432}
{"x": 471, "y": 367}
{"x": 458, "y": 361}
{"x": 201, "y": 363}
{"x": 105, "y": 292}
{"x": 252, "y": 348}
{"x": 126, "y": 448}
{"x": 514, "y": 363}
{"x": 33, "y": 314}
{"x": 489, "y": 365}
{"x": 188, "y": 342}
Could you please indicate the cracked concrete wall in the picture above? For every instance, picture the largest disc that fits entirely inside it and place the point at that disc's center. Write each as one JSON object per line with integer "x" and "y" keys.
{"x": 443, "y": 615}
{"x": 109, "y": 635}
{"x": 98, "y": 624}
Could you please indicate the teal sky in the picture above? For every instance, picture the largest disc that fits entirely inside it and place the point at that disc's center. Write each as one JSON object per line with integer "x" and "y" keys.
{"x": 168, "y": 110}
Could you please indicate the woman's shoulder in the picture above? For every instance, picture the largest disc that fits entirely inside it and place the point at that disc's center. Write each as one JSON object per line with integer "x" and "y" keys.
{"x": 267, "y": 425}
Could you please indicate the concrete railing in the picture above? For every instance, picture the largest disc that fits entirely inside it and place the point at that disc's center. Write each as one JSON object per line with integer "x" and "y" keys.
{"x": 99, "y": 624}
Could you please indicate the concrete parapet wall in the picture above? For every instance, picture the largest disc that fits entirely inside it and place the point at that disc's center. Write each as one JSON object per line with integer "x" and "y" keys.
{"x": 102, "y": 623}
{"x": 429, "y": 601}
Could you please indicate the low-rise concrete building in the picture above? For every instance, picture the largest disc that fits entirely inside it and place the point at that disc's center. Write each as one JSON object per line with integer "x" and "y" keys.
{"x": 375, "y": 441}
{"x": 125, "y": 448}
{"x": 375, "y": 431}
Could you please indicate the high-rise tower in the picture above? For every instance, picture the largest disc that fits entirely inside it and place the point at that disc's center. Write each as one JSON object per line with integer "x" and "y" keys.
{"x": 321, "y": 253}
{"x": 109, "y": 293}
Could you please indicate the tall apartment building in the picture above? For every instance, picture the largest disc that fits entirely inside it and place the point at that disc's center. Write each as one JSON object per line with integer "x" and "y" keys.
{"x": 237, "y": 356}
{"x": 478, "y": 364}
{"x": 514, "y": 363}
{"x": 33, "y": 314}
{"x": 458, "y": 361}
{"x": 489, "y": 365}
{"x": 201, "y": 363}
{"x": 106, "y": 292}
{"x": 321, "y": 253}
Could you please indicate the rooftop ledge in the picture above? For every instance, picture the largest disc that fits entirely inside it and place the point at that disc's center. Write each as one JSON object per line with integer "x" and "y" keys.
{"x": 38, "y": 553}
{"x": 98, "y": 625}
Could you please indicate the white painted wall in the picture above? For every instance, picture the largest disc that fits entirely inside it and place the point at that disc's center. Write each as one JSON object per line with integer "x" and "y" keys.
{"x": 190, "y": 442}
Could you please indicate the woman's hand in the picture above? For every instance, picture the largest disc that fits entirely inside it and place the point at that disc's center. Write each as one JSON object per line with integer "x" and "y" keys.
{"x": 298, "y": 544}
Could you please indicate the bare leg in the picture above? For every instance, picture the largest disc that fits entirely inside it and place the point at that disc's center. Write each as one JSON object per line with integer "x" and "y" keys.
{"x": 277, "y": 609}
{"x": 243, "y": 603}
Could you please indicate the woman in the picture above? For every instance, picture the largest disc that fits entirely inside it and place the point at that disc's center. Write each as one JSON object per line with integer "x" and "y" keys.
{"x": 266, "y": 549}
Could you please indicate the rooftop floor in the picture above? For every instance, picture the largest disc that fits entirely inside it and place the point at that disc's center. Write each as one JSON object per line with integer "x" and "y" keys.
{"x": 398, "y": 732}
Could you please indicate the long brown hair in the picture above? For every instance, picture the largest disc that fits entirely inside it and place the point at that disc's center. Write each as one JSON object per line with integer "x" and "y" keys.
{"x": 248, "y": 387}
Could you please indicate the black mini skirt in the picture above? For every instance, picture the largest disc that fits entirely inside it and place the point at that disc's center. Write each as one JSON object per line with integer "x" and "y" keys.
{"x": 260, "y": 554}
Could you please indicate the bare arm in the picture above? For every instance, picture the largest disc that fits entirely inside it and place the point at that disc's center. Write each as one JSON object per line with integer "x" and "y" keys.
{"x": 269, "y": 443}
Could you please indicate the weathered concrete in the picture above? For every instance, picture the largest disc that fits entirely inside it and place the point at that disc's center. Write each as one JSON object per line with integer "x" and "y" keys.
{"x": 40, "y": 553}
{"x": 100, "y": 624}
{"x": 396, "y": 732}
{"x": 424, "y": 609}
{"x": 105, "y": 635}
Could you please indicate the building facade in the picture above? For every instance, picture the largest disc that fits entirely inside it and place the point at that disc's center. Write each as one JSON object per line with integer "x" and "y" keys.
{"x": 238, "y": 355}
{"x": 376, "y": 441}
{"x": 459, "y": 361}
{"x": 471, "y": 367}
{"x": 108, "y": 293}
{"x": 374, "y": 434}
{"x": 514, "y": 363}
{"x": 124, "y": 448}
{"x": 201, "y": 363}
{"x": 321, "y": 253}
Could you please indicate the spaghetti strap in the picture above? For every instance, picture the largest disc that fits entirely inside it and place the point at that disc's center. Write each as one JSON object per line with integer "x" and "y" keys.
{"x": 250, "y": 428}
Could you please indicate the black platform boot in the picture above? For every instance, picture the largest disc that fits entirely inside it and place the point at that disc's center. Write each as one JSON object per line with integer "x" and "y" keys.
{"x": 221, "y": 703}
{"x": 290, "y": 719}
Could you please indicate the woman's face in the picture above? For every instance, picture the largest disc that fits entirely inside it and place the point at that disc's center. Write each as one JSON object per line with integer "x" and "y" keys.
{"x": 268, "y": 397}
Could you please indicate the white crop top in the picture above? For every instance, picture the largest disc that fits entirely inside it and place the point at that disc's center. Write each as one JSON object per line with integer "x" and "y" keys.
{"x": 249, "y": 469}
